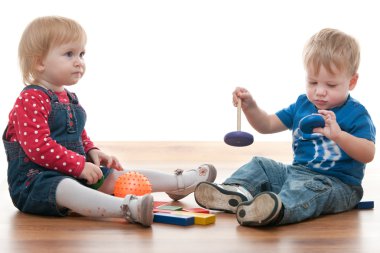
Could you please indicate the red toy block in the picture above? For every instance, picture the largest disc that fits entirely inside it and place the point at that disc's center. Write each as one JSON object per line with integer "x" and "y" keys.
{"x": 159, "y": 203}
{"x": 196, "y": 210}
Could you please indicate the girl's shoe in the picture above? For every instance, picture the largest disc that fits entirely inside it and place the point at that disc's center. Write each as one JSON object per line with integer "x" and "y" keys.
{"x": 205, "y": 172}
{"x": 263, "y": 210}
{"x": 138, "y": 209}
{"x": 219, "y": 197}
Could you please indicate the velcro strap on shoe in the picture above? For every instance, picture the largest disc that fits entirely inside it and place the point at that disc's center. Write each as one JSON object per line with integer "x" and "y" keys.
{"x": 180, "y": 183}
{"x": 126, "y": 209}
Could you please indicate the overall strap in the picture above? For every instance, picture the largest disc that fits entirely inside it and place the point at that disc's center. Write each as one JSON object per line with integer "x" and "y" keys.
{"x": 53, "y": 97}
{"x": 73, "y": 98}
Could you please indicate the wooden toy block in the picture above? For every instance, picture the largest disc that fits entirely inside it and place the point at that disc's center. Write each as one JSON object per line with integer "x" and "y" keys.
{"x": 156, "y": 210}
{"x": 199, "y": 218}
{"x": 157, "y": 204}
{"x": 167, "y": 218}
{"x": 160, "y": 203}
{"x": 171, "y": 208}
{"x": 197, "y": 210}
{"x": 365, "y": 205}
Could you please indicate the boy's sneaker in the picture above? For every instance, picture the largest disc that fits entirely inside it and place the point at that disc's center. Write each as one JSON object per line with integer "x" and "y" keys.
{"x": 263, "y": 210}
{"x": 219, "y": 197}
{"x": 205, "y": 172}
{"x": 138, "y": 209}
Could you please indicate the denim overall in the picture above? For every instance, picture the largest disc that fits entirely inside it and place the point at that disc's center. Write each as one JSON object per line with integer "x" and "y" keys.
{"x": 31, "y": 186}
{"x": 304, "y": 193}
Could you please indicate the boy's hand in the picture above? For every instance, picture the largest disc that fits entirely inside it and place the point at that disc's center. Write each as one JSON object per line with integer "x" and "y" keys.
{"x": 332, "y": 129}
{"x": 99, "y": 158}
{"x": 245, "y": 97}
{"x": 91, "y": 173}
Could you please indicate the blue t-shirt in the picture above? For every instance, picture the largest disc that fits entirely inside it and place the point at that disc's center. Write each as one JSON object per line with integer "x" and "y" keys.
{"x": 321, "y": 154}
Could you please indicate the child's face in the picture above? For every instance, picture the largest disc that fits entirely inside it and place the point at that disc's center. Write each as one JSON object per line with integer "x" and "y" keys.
{"x": 326, "y": 90}
{"x": 63, "y": 65}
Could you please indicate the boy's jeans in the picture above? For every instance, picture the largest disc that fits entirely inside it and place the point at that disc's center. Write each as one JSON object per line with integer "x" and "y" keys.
{"x": 304, "y": 193}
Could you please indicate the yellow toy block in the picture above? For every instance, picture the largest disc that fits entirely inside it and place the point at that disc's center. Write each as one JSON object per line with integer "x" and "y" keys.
{"x": 199, "y": 218}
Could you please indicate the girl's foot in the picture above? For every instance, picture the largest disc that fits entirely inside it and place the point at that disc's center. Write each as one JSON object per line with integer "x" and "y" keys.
{"x": 205, "y": 172}
{"x": 138, "y": 209}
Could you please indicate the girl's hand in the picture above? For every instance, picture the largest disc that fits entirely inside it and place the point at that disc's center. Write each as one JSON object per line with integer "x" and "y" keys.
{"x": 99, "y": 158}
{"x": 332, "y": 129}
{"x": 91, "y": 172}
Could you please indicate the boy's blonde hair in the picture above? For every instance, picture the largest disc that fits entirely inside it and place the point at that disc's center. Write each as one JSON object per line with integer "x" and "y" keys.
{"x": 331, "y": 47}
{"x": 40, "y": 36}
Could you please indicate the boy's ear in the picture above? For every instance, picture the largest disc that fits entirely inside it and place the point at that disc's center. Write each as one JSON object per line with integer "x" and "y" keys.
{"x": 353, "y": 81}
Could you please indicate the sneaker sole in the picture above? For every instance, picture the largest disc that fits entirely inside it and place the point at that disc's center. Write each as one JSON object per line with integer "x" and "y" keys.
{"x": 255, "y": 212}
{"x": 211, "y": 178}
{"x": 212, "y": 197}
{"x": 147, "y": 211}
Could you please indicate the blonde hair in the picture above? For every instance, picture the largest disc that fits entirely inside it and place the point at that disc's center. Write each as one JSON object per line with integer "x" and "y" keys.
{"x": 331, "y": 47}
{"x": 40, "y": 36}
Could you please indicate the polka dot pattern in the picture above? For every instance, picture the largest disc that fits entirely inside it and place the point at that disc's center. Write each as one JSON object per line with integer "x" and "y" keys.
{"x": 28, "y": 125}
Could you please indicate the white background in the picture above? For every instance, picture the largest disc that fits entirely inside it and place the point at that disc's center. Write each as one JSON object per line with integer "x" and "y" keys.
{"x": 165, "y": 70}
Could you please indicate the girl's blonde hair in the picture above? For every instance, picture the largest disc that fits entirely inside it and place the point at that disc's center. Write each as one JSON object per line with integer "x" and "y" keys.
{"x": 331, "y": 47}
{"x": 40, "y": 36}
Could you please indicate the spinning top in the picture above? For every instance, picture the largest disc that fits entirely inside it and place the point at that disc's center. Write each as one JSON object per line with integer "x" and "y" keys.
{"x": 238, "y": 138}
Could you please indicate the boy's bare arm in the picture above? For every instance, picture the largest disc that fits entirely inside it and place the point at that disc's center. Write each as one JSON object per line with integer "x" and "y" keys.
{"x": 263, "y": 122}
{"x": 360, "y": 149}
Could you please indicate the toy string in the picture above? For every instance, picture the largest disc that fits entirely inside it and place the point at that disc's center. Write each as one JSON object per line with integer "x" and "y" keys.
{"x": 239, "y": 115}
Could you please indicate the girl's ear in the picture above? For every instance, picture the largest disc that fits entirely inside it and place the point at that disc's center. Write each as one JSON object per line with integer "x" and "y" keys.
{"x": 353, "y": 81}
{"x": 39, "y": 63}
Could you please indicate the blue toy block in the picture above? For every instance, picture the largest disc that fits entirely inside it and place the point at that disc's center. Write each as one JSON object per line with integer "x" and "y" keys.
{"x": 365, "y": 205}
{"x": 173, "y": 219}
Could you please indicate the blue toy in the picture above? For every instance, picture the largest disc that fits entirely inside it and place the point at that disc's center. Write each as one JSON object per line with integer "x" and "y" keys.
{"x": 308, "y": 123}
{"x": 365, "y": 205}
{"x": 173, "y": 219}
{"x": 238, "y": 138}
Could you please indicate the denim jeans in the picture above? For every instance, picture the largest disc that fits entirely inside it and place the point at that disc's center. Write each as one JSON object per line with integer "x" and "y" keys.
{"x": 32, "y": 187}
{"x": 304, "y": 193}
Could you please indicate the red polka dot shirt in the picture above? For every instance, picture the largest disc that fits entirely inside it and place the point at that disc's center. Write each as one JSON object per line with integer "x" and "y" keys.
{"x": 28, "y": 125}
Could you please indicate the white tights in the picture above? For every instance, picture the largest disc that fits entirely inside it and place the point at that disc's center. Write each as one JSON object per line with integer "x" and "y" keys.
{"x": 99, "y": 203}
{"x": 86, "y": 201}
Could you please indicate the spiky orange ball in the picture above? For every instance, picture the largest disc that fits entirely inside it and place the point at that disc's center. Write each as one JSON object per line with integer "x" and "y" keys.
{"x": 132, "y": 182}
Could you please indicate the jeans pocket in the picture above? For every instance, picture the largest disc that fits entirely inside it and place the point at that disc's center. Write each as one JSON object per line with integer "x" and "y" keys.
{"x": 319, "y": 184}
